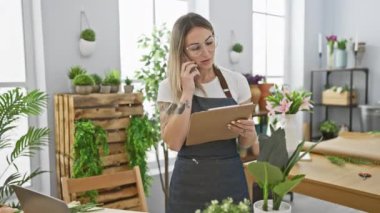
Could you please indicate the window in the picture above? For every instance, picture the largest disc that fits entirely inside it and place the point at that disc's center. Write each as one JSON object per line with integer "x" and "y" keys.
{"x": 150, "y": 13}
{"x": 268, "y": 20}
{"x": 12, "y": 72}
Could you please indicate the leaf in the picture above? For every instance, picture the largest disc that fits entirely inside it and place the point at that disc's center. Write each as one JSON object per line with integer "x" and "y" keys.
{"x": 273, "y": 148}
{"x": 283, "y": 188}
{"x": 265, "y": 172}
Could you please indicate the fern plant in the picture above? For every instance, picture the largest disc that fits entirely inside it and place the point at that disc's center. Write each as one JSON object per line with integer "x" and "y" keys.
{"x": 87, "y": 140}
{"x": 141, "y": 136}
{"x": 15, "y": 104}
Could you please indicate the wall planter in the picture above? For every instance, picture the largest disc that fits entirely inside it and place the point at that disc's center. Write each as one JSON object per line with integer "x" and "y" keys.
{"x": 87, "y": 41}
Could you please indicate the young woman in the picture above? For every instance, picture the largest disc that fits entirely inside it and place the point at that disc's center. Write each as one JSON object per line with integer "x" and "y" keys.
{"x": 211, "y": 170}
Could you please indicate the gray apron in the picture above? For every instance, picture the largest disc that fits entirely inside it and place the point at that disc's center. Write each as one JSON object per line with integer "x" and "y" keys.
{"x": 209, "y": 171}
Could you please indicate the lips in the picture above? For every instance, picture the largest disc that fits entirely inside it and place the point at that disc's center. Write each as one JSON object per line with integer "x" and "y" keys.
{"x": 206, "y": 61}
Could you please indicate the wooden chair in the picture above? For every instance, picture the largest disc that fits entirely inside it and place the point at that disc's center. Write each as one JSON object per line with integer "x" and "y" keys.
{"x": 120, "y": 190}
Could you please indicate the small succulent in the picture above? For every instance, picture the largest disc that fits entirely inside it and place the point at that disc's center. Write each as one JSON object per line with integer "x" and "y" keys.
{"x": 88, "y": 34}
{"x": 128, "y": 81}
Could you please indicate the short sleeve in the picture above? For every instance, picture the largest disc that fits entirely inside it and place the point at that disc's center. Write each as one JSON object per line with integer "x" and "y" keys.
{"x": 244, "y": 92}
{"x": 164, "y": 92}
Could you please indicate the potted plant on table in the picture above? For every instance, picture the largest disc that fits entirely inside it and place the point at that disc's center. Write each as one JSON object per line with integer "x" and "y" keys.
{"x": 87, "y": 42}
{"x": 128, "y": 87}
{"x": 98, "y": 81}
{"x": 341, "y": 54}
{"x": 329, "y": 129}
{"x": 113, "y": 78}
{"x": 253, "y": 82}
{"x": 236, "y": 50}
{"x": 272, "y": 169}
{"x": 83, "y": 84}
{"x": 73, "y": 72}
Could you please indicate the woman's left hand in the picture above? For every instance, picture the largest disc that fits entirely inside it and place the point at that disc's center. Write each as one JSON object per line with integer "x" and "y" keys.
{"x": 245, "y": 128}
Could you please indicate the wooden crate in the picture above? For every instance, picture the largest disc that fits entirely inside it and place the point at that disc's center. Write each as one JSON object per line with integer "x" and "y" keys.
{"x": 111, "y": 111}
{"x": 330, "y": 97}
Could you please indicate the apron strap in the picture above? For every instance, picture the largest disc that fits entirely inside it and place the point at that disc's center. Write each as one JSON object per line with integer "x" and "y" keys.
{"x": 223, "y": 82}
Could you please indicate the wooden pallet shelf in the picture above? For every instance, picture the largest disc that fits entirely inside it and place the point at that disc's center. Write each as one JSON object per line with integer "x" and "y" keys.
{"x": 110, "y": 111}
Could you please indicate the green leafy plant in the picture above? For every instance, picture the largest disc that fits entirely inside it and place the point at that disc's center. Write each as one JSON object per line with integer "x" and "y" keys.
{"x": 152, "y": 73}
{"x": 142, "y": 135}
{"x": 342, "y": 44}
{"x": 83, "y": 80}
{"x": 87, "y": 141}
{"x": 339, "y": 89}
{"x": 237, "y": 47}
{"x": 341, "y": 160}
{"x": 76, "y": 70}
{"x": 97, "y": 79}
{"x": 329, "y": 129}
{"x": 128, "y": 81}
{"x": 77, "y": 207}
{"x": 15, "y": 104}
{"x": 88, "y": 34}
{"x": 271, "y": 171}
{"x": 112, "y": 77}
{"x": 227, "y": 205}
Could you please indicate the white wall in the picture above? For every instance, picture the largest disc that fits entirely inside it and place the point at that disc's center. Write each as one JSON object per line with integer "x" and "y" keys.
{"x": 226, "y": 15}
{"x": 61, "y": 30}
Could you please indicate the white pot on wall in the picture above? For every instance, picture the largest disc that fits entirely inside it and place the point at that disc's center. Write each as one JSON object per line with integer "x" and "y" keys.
{"x": 86, "y": 47}
{"x": 234, "y": 57}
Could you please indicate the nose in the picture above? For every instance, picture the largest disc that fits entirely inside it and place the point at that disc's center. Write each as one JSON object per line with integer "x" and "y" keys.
{"x": 205, "y": 51}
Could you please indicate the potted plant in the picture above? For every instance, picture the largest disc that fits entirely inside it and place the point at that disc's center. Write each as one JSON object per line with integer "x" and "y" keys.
{"x": 105, "y": 86}
{"x": 236, "y": 50}
{"x": 113, "y": 78}
{"x": 128, "y": 88}
{"x": 15, "y": 104}
{"x": 253, "y": 82}
{"x": 271, "y": 171}
{"x": 73, "y": 72}
{"x": 329, "y": 129}
{"x": 87, "y": 42}
{"x": 97, "y": 82}
{"x": 341, "y": 54}
{"x": 83, "y": 84}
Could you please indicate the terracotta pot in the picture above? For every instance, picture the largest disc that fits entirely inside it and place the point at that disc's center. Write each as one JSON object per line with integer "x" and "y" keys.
{"x": 255, "y": 93}
{"x": 264, "y": 93}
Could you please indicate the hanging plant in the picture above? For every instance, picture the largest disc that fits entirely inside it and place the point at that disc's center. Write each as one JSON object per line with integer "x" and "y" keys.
{"x": 88, "y": 138}
{"x": 141, "y": 135}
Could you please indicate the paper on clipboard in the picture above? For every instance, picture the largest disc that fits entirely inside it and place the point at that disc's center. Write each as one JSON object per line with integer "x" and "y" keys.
{"x": 211, "y": 125}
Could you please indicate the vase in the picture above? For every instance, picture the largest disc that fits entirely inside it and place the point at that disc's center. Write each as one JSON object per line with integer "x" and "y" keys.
{"x": 255, "y": 93}
{"x": 330, "y": 57}
{"x": 293, "y": 131}
{"x": 234, "y": 57}
{"x": 340, "y": 58}
{"x": 284, "y": 207}
{"x": 265, "y": 91}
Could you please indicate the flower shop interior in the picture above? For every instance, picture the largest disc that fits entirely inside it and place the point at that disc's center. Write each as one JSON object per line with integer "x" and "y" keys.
{"x": 78, "y": 114}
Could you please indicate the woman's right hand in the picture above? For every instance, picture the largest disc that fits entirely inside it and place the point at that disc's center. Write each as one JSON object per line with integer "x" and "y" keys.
{"x": 189, "y": 72}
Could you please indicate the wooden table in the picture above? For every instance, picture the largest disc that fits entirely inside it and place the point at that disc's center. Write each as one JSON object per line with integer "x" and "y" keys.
{"x": 115, "y": 211}
{"x": 341, "y": 185}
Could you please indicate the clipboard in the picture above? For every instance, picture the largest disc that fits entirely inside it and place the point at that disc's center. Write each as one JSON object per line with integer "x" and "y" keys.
{"x": 211, "y": 125}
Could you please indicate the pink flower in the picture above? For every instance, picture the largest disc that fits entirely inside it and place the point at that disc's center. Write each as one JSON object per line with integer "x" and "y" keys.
{"x": 306, "y": 105}
{"x": 283, "y": 107}
{"x": 270, "y": 109}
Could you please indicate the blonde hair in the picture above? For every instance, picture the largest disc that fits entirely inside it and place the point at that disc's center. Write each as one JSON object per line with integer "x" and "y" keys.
{"x": 177, "y": 46}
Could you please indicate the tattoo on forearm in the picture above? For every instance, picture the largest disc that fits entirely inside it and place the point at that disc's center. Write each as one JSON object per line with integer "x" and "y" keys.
{"x": 182, "y": 106}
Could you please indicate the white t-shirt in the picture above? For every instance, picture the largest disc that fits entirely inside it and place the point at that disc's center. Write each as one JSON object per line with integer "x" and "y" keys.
{"x": 236, "y": 82}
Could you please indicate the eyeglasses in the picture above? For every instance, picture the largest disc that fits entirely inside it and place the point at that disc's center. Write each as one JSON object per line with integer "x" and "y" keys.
{"x": 196, "y": 49}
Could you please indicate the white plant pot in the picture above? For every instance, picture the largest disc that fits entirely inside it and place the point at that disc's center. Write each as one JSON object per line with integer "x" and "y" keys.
{"x": 284, "y": 207}
{"x": 340, "y": 58}
{"x": 86, "y": 47}
{"x": 293, "y": 131}
{"x": 234, "y": 57}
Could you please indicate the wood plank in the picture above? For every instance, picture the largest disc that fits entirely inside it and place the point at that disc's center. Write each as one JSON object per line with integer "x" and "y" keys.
{"x": 94, "y": 113}
{"x": 111, "y": 124}
{"x": 116, "y": 148}
{"x": 131, "y": 110}
{"x": 116, "y": 136}
{"x": 114, "y": 195}
{"x": 124, "y": 204}
{"x": 112, "y": 170}
{"x": 67, "y": 133}
{"x": 71, "y": 134}
{"x": 76, "y": 185}
{"x": 92, "y": 100}
{"x": 56, "y": 136}
{"x": 62, "y": 136}
{"x": 116, "y": 159}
